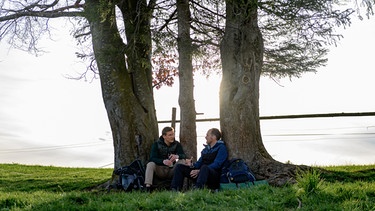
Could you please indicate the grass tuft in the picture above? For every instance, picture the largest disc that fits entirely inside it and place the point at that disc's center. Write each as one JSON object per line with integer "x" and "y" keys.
{"x": 308, "y": 182}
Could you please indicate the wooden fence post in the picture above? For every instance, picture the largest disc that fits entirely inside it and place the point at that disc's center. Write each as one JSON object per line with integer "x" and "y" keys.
{"x": 173, "y": 123}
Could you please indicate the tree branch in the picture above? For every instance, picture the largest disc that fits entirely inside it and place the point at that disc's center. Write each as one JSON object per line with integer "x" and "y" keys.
{"x": 40, "y": 6}
{"x": 49, "y": 14}
{"x": 197, "y": 4}
{"x": 217, "y": 29}
{"x": 171, "y": 17}
{"x": 60, "y": 12}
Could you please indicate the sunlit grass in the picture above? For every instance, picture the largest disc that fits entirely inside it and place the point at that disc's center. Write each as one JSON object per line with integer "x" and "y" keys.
{"x": 51, "y": 188}
{"x": 308, "y": 182}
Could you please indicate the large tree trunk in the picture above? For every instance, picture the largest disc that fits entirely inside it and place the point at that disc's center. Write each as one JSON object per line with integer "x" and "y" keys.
{"x": 242, "y": 57}
{"x": 188, "y": 133}
{"x": 126, "y": 84}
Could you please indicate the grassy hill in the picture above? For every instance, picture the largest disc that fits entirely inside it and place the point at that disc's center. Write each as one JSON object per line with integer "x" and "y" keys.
{"x": 24, "y": 187}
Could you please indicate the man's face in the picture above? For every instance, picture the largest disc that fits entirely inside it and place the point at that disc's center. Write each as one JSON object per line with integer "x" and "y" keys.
{"x": 169, "y": 137}
{"x": 209, "y": 137}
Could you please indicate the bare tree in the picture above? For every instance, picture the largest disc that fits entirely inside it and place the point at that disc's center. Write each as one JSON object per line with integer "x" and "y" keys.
{"x": 195, "y": 36}
{"x": 124, "y": 66}
{"x": 188, "y": 132}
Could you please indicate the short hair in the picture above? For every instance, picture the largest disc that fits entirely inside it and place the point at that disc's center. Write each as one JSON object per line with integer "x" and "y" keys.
{"x": 216, "y": 132}
{"x": 166, "y": 130}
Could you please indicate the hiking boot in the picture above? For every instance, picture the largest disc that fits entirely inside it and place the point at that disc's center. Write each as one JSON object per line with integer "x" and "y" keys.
{"x": 149, "y": 189}
{"x": 215, "y": 190}
{"x": 175, "y": 190}
{"x": 196, "y": 188}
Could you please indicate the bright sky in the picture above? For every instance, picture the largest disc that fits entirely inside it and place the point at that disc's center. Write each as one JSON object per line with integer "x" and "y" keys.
{"x": 344, "y": 85}
{"x": 59, "y": 121}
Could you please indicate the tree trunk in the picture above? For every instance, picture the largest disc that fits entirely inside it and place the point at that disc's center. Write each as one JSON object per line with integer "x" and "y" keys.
{"x": 242, "y": 57}
{"x": 126, "y": 84}
{"x": 188, "y": 133}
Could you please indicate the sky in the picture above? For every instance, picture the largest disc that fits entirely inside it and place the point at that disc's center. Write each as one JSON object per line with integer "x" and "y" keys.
{"x": 48, "y": 119}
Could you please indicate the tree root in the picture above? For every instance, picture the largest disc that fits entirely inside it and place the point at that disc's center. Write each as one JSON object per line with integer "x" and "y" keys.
{"x": 276, "y": 173}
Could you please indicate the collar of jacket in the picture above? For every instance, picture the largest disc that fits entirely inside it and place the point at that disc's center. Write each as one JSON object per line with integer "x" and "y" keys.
{"x": 161, "y": 139}
{"x": 217, "y": 144}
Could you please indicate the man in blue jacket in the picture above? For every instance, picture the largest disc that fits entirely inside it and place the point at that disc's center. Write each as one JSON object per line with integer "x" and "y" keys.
{"x": 207, "y": 170}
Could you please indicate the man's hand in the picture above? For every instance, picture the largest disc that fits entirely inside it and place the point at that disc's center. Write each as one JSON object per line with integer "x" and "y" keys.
{"x": 173, "y": 157}
{"x": 167, "y": 162}
{"x": 194, "y": 173}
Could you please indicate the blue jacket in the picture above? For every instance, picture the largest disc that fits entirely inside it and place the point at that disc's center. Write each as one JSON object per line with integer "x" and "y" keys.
{"x": 214, "y": 156}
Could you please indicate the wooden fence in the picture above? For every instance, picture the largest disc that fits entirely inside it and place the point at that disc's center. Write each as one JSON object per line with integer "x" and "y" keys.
{"x": 174, "y": 121}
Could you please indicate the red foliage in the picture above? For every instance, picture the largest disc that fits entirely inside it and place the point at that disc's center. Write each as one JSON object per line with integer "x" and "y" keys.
{"x": 164, "y": 70}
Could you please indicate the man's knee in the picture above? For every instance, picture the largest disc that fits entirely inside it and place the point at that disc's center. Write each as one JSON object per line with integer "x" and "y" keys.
{"x": 151, "y": 166}
{"x": 204, "y": 168}
{"x": 178, "y": 167}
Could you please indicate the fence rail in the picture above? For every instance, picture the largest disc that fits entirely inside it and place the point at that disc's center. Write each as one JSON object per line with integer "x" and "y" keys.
{"x": 310, "y": 139}
{"x": 173, "y": 121}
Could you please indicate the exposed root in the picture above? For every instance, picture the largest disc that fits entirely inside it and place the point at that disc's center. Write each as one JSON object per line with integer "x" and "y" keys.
{"x": 276, "y": 173}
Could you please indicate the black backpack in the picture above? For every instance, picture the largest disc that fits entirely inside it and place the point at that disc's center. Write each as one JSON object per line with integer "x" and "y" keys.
{"x": 236, "y": 171}
{"x": 131, "y": 177}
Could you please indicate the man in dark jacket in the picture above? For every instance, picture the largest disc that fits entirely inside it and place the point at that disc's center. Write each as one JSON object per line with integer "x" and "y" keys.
{"x": 207, "y": 170}
{"x": 165, "y": 152}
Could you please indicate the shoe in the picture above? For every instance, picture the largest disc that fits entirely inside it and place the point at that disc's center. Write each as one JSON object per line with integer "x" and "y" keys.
{"x": 214, "y": 190}
{"x": 196, "y": 188}
{"x": 148, "y": 188}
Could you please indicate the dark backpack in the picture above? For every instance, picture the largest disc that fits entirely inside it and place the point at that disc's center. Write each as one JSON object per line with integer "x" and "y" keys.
{"x": 131, "y": 177}
{"x": 236, "y": 171}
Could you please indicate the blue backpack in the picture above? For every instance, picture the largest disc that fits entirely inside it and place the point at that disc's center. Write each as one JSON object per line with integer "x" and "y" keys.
{"x": 236, "y": 171}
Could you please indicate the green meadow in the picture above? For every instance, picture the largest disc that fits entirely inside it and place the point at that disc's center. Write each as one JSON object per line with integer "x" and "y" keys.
{"x": 25, "y": 187}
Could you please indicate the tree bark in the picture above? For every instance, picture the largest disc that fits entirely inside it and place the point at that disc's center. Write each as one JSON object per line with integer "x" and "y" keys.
{"x": 242, "y": 58}
{"x": 188, "y": 133}
{"x": 126, "y": 83}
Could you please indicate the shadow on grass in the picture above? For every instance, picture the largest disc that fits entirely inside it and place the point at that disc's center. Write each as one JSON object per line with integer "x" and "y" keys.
{"x": 345, "y": 176}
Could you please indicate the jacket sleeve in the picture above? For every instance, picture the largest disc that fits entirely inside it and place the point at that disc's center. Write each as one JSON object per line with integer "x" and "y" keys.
{"x": 180, "y": 152}
{"x": 198, "y": 164}
{"x": 154, "y": 156}
{"x": 221, "y": 157}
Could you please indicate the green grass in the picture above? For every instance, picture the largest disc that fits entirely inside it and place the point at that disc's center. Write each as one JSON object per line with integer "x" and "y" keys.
{"x": 25, "y": 187}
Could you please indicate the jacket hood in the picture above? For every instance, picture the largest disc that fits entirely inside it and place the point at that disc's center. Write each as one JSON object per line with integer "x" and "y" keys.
{"x": 219, "y": 142}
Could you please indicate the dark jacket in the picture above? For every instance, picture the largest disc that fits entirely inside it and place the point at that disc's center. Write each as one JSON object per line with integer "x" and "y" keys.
{"x": 160, "y": 151}
{"x": 214, "y": 156}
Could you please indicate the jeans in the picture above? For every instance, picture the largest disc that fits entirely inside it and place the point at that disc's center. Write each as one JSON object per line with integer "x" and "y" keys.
{"x": 206, "y": 176}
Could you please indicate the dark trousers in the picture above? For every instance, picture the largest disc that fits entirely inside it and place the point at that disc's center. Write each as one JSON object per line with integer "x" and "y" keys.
{"x": 206, "y": 176}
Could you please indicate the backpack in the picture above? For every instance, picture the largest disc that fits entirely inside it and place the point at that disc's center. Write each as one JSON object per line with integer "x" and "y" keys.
{"x": 131, "y": 177}
{"x": 236, "y": 171}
